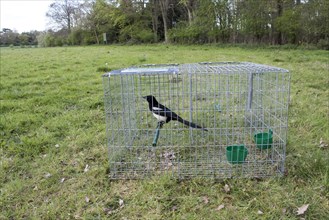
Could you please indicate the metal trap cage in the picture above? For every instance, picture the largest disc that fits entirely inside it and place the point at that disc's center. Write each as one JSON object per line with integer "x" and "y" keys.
{"x": 241, "y": 107}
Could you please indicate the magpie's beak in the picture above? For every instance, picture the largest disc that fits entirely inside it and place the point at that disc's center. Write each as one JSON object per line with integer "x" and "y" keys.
{"x": 144, "y": 97}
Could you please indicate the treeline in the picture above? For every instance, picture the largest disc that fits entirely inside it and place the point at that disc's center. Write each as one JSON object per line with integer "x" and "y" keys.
{"x": 9, "y": 37}
{"x": 273, "y": 22}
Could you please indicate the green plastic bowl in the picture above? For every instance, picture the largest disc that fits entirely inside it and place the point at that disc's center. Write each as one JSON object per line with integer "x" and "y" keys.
{"x": 264, "y": 140}
{"x": 236, "y": 154}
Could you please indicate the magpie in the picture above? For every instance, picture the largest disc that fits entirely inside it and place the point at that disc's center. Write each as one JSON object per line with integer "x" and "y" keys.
{"x": 165, "y": 115}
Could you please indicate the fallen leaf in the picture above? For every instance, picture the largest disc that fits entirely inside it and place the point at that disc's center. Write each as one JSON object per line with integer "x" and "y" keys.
{"x": 220, "y": 207}
{"x": 62, "y": 180}
{"x": 284, "y": 210}
{"x": 230, "y": 207}
{"x": 227, "y": 198}
{"x": 227, "y": 188}
{"x": 47, "y": 175}
{"x": 323, "y": 144}
{"x": 121, "y": 203}
{"x": 205, "y": 200}
{"x": 108, "y": 210}
{"x": 86, "y": 168}
{"x": 174, "y": 208}
{"x": 170, "y": 155}
{"x": 87, "y": 199}
{"x": 63, "y": 163}
{"x": 260, "y": 212}
{"x": 301, "y": 210}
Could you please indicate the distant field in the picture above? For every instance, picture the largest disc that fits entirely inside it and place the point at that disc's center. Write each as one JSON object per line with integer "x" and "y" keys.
{"x": 52, "y": 140}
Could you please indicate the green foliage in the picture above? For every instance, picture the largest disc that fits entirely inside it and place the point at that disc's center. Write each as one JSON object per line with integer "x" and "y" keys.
{"x": 50, "y": 40}
{"x": 288, "y": 24}
{"x": 52, "y": 126}
{"x": 135, "y": 34}
{"x": 81, "y": 37}
{"x": 188, "y": 22}
{"x": 145, "y": 36}
{"x": 8, "y": 37}
{"x": 323, "y": 44}
{"x": 200, "y": 29}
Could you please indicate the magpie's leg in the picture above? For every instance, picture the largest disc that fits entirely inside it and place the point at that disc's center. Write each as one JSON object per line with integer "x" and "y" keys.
{"x": 157, "y": 133}
{"x": 161, "y": 123}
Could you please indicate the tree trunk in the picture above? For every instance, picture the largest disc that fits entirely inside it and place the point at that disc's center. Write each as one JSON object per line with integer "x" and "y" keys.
{"x": 96, "y": 36}
{"x": 68, "y": 10}
{"x": 164, "y": 4}
{"x": 69, "y": 24}
{"x": 279, "y": 34}
{"x": 165, "y": 28}
{"x": 190, "y": 16}
{"x": 155, "y": 15}
{"x": 190, "y": 6}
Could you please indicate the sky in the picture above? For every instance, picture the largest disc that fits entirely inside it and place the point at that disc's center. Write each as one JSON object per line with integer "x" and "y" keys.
{"x": 24, "y": 16}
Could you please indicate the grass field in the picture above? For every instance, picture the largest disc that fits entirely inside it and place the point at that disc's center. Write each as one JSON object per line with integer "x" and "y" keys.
{"x": 54, "y": 162}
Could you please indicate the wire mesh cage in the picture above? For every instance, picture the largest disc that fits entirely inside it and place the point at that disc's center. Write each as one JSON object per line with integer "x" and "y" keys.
{"x": 228, "y": 120}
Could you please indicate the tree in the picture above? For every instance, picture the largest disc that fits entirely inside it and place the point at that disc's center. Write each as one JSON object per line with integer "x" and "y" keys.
{"x": 185, "y": 21}
{"x": 255, "y": 20}
{"x": 287, "y": 26}
{"x": 315, "y": 20}
{"x": 164, "y": 6}
{"x": 98, "y": 19}
{"x": 9, "y": 37}
{"x": 190, "y": 6}
{"x": 62, "y": 13}
{"x": 133, "y": 21}
{"x": 154, "y": 7}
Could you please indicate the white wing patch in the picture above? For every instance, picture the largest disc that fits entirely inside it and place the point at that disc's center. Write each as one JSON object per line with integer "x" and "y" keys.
{"x": 159, "y": 117}
{"x": 156, "y": 108}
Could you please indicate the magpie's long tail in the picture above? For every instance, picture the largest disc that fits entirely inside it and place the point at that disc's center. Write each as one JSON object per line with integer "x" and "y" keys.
{"x": 190, "y": 124}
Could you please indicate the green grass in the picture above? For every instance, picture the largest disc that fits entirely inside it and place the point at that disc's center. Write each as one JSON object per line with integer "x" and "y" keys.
{"x": 53, "y": 125}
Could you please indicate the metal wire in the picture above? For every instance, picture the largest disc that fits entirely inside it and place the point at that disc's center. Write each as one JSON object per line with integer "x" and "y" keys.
{"x": 233, "y": 100}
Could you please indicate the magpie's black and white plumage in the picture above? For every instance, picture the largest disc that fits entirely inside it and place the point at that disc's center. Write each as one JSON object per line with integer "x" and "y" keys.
{"x": 165, "y": 115}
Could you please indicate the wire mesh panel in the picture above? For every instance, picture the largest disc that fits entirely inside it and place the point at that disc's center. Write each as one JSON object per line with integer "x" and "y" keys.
{"x": 229, "y": 120}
